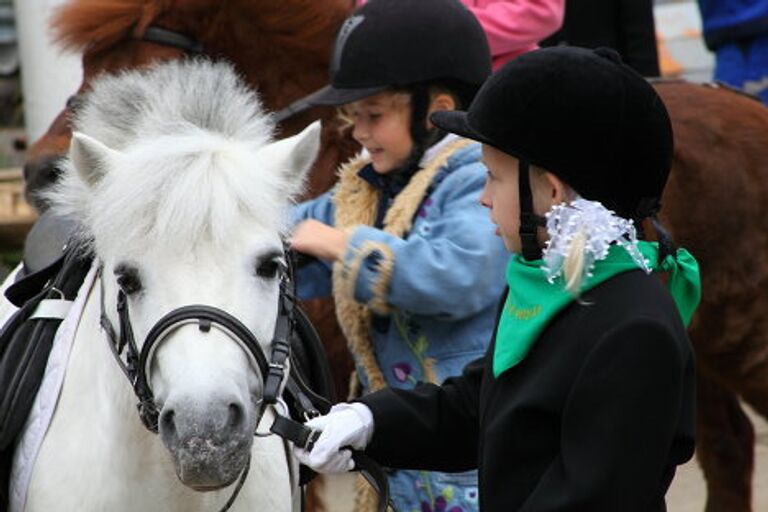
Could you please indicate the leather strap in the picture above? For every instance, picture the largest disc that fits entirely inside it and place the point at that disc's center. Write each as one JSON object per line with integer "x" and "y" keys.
{"x": 167, "y": 37}
{"x": 305, "y": 437}
{"x": 30, "y": 285}
{"x": 529, "y": 221}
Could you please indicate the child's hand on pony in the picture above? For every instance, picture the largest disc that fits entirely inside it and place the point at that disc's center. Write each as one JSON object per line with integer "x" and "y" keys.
{"x": 320, "y": 240}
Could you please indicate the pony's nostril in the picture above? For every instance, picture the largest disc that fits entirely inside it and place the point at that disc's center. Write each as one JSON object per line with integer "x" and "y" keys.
{"x": 167, "y": 423}
{"x": 236, "y": 416}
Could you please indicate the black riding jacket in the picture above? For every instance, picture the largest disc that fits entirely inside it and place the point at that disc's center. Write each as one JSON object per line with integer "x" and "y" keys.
{"x": 595, "y": 418}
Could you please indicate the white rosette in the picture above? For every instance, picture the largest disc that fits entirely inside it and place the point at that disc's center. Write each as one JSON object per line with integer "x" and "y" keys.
{"x": 580, "y": 234}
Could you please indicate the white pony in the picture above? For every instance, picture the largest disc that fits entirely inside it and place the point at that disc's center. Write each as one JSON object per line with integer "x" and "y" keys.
{"x": 183, "y": 199}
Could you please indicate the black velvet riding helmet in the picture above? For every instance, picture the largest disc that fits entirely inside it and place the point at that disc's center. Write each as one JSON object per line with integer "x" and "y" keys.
{"x": 397, "y": 43}
{"x": 584, "y": 116}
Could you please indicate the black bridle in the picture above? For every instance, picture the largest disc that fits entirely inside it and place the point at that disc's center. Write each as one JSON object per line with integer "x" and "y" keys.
{"x": 275, "y": 373}
{"x": 165, "y": 37}
{"x": 136, "y": 364}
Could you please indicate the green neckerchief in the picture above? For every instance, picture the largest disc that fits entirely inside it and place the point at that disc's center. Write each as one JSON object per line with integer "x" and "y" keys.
{"x": 533, "y": 301}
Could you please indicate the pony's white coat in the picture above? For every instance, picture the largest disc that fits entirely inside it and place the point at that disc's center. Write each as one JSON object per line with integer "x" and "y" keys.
{"x": 174, "y": 173}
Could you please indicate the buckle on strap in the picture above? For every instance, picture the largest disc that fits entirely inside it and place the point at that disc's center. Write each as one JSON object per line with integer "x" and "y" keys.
{"x": 275, "y": 375}
{"x": 305, "y": 437}
{"x": 297, "y": 433}
{"x": 281, "y": 351}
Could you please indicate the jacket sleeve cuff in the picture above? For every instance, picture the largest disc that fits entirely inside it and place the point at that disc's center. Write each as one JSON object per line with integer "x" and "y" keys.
{"x": 366, "y": 271}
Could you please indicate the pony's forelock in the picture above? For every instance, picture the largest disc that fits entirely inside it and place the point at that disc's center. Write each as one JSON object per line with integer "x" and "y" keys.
{"x": 187, "y": 157}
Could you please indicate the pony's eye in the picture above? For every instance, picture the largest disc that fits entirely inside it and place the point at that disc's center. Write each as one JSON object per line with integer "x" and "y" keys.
{"x": 269, "y": 267}
{"x": 128, "y": 278}
{"x": 74, "y": 102}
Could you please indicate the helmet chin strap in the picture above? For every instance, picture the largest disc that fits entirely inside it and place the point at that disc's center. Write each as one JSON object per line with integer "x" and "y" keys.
{"x": 529, "y": 221}
{"x": 423, "y": 137}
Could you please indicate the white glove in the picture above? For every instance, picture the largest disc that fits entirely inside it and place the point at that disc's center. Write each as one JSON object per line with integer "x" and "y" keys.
{"x": 344, "y": 425}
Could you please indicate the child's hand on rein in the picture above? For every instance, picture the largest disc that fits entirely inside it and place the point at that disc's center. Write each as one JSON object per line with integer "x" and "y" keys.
{"x": 320, "y": 240}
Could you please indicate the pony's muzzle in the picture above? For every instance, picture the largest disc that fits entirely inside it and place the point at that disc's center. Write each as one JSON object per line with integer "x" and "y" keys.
{"x": 210, "y": 443}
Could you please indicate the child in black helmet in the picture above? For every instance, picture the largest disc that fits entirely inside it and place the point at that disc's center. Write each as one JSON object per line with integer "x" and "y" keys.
{"x": 415, "y": 266}
{"x": 585, "y": 399}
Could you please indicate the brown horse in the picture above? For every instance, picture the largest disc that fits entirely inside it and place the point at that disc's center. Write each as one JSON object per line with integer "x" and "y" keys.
{"x": 717, "y": 205}
{"x": 716, "y": 202}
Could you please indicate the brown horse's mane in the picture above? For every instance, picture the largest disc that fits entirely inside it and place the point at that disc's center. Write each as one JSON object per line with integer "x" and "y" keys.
{"x": 287, "y": 25}
{"x": 98, "y": 24}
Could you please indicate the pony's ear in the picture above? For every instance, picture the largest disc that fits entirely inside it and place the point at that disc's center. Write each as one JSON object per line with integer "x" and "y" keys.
{"x": 90, "y": 157}
{"x": 295, "y": 155}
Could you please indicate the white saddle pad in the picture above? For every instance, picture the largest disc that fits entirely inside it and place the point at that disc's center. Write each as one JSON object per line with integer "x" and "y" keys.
{"x": 44, "y": 405}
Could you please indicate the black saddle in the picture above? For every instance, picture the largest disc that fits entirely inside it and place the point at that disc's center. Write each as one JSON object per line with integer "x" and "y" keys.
{"x": 44, "y": 242}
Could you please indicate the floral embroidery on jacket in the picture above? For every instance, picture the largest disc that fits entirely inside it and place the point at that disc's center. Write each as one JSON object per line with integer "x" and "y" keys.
{"x": 439, "y": 503}
{"x": 418, "y": 346}
{"x": 423, "y": 211}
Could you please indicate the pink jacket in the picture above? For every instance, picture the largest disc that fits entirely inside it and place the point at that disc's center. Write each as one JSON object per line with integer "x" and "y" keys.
{"x": 514, "y": 27}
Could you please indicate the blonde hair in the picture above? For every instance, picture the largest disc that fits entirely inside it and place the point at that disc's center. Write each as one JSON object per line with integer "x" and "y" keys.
{"x": 575, "y": 261}
{"x": 573, "y": 267}
{"x": 396, "y": 98}
{"x": 400, "y": 98}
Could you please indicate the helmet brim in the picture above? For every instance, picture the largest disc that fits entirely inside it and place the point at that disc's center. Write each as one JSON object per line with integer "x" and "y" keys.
{"x": 455, "y": 121}
{"x": 332, "y": 96}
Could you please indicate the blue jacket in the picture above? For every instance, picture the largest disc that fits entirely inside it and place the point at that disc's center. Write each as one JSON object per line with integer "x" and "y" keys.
{"x": 447, "y": 276}
{"x": 727, "y": 21}
{"x": 432, "y": 293}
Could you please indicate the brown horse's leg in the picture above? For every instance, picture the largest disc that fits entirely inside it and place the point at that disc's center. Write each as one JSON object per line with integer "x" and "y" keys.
{"x": 313, "y": 495}
{"x": 725, "y": 448}
{"x": 758, "y": 399}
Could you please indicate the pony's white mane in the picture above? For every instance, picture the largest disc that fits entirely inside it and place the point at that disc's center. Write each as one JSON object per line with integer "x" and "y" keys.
{"x": 187, "y": 136}
{"x": 143, "y": 103}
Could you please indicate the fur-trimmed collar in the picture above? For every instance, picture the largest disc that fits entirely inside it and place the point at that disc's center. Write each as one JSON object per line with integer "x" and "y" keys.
{"x": 356, "y": 203}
